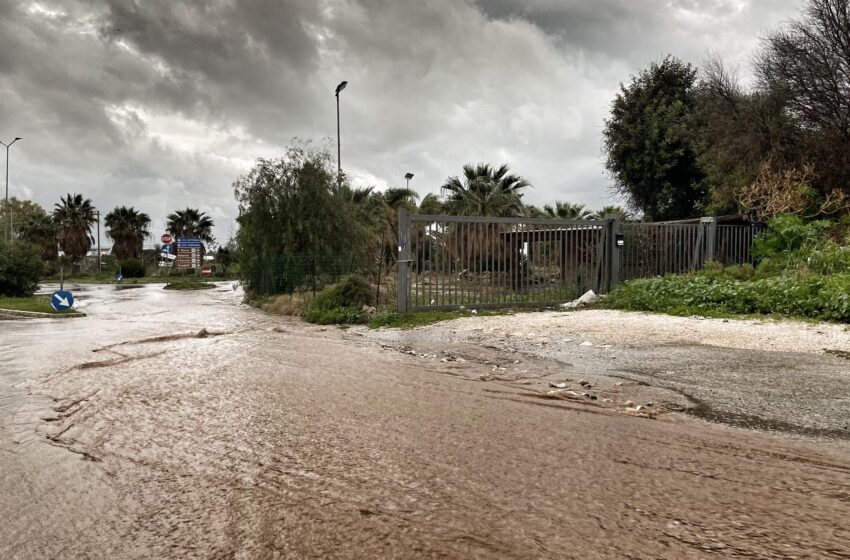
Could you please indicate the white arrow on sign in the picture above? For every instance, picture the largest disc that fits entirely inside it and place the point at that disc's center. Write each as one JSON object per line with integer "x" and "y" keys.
{"x": 62, "y": 300}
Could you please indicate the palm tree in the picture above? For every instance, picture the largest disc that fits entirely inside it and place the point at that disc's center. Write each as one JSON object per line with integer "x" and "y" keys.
{"x": 431, "y": 204}
{"x": 567, "y": 211}
{"x": 40, "y": 230}
{"x": 74, "y": 217}
{"x": 190, "y": 223}
{"x": 619, "y": 211}
{"x": 127, "y": 228}
{"x": 485, "y": 191}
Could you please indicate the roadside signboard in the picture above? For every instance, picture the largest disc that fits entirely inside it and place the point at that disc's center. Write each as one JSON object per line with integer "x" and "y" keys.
{"x": 166, "y": 238}
{"x": 62, "y": 300}
{"x": 206, "y": 271}
{"x": 167, "y": 249}
{"x": 190, "y": 252}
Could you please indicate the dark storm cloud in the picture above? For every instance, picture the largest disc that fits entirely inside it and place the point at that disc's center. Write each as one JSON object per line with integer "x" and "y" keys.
{"x": 161, "y": 104}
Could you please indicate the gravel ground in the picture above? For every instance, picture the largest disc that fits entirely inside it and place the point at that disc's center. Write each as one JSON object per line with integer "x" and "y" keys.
{"x": 779, "y": 376}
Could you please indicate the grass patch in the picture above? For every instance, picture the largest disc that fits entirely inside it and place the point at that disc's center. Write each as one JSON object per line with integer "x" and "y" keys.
{"x": 791, "y": 295}
{"x": 188, "y": 284}
{"x": 39, "y": 304}
{"x": 407, "y": 321}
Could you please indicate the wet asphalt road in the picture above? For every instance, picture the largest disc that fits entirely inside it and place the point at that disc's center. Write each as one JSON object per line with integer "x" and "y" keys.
{"x": 185, "y": 425}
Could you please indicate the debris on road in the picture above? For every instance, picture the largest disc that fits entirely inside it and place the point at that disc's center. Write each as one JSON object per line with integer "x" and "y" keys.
{"x": 589, "y": 297}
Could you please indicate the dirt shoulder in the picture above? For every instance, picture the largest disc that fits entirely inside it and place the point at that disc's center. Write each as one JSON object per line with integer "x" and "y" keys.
{"x": 788, "y": 377}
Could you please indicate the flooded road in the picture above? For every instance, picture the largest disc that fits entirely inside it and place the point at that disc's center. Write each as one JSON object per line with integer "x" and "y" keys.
{"x": 186, "y": 425}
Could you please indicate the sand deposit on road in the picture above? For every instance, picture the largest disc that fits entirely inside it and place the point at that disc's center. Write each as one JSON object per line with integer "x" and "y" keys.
{"x": 628, "y": 328}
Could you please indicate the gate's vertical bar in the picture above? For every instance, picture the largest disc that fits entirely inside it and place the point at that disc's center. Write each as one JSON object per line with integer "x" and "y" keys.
{"x": 403, "y": 260}
{"x": 613, "y": 250}
{"x": 710, "y": 224}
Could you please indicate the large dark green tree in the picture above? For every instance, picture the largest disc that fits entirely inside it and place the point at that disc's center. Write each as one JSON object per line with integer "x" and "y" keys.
{"x": 650, "y": 151}
{"x": 74, "y": 217}
{"x": 127, "y": 228}
{"x": 294, "y": 207}
{"x": 39, "y": 229}
{"x": 485, "y": 190}
{"x": 190, "y": 222}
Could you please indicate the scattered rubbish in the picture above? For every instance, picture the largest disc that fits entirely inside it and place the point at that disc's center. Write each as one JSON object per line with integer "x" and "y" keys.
{"x": 473, "y": 311}
{"x": 619, "y": 383}
{"x": 368, "y": 309}
{"x": 558, "y": 385}
{"x": 587, "y": 298}
{"x": 584, "y": 383}
{"x": 586, "y": 343}
{"x": 638, "y": 408}
{"x": 590, "y": 396}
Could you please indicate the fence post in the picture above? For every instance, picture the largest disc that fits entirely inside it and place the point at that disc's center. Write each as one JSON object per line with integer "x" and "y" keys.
{"x": 613, "y": 226}
{"x": 709, "y": 224}
{"x": 403, "y": 260}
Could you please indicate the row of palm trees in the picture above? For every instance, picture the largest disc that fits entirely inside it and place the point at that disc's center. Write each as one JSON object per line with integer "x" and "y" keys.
{"x": 486, "y": 190}
{"x": 69, "y": 228}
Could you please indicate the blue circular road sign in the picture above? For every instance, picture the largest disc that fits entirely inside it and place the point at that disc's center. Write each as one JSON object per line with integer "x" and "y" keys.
{"x": 62, "y": 300}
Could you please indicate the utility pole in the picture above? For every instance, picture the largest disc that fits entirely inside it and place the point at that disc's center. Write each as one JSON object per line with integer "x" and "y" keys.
{"x": 8, "y": 208}
{"x": 98, "y": 242}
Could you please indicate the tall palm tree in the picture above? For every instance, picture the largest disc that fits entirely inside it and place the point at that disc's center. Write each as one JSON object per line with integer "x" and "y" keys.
{"x": 127, "y": 228}
{"x": 74, "y": 217}
{"x": 190, "y": 222}
{"x": 485, "y": 190}
{"x": 40, "y": 230}
{"x": 567, "y": 211}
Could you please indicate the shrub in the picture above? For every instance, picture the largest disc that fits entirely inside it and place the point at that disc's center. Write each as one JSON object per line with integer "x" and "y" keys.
{"x": 132, "y": 268}
{"x": 798, "y": 295}
{"x": 20, "y": 268}
{"x": 340, "y": 303}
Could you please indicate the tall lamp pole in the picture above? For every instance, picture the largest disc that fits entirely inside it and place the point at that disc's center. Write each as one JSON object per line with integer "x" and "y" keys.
{"x": 8, "y": 208}
{"x": 98, "y": 242}
{"x": 408, "y": 176}
{"x": 339, "y": 88}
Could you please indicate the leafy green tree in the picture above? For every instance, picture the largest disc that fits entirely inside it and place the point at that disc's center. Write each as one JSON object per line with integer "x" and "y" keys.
{"x": 127, "y": 228}
{"x": 650, "y": 152}
{"x": 484, "y": 190}
{"x": 225, "y": 256}
{"x": 567, "y": 211}
{"x": 74, "y": 217}
{"x": 39, "y": 229}
{"x": 19, "y": 212}
{"x": 190, "y": 222}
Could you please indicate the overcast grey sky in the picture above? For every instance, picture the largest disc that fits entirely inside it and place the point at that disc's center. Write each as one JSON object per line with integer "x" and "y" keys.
{"x": 161, "y": 104}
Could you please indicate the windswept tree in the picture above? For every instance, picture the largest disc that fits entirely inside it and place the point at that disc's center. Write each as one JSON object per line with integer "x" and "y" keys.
{"x": 190, "y": 222}
{"x": 567, "y": 211}
{"x": 484, "y": 190}
{"x": 74, "y": 217}
{"x": 610, "y": 210}
{"x": 127, "y": 228}
{"x": 650, "y": 152}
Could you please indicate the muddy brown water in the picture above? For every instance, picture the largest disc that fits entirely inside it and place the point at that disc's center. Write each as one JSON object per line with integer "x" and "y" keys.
{"x": 185, "y": 425}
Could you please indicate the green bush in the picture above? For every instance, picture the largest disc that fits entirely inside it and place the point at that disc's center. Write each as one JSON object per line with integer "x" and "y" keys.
{"x": 792, "y": 244}
{"x": 340, "y": 303}
{"x": 20, "y": 268}
{"x": 132, "y": 268}
{"x": 817, "y": 297}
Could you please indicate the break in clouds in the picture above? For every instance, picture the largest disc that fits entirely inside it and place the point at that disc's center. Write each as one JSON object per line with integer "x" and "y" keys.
{"x": 161, "y": 104}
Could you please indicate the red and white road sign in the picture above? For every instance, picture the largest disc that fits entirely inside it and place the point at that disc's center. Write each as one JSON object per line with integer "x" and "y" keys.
{"x": 166, "y": 238}
{"x": 206, "y": 271}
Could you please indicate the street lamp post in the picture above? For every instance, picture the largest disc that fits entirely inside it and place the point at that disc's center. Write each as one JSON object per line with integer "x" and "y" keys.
{"x": 339, "y": 88}
{"x": 408, "y": 176}
{"x": 98, "y": 242}
{"x": 8, "y": 208}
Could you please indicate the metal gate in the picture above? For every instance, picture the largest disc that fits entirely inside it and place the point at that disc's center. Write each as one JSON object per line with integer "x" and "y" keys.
{"x": 448, "y": 262}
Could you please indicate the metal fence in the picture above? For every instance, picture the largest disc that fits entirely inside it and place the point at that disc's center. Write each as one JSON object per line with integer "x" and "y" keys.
{"x": 447, "y": 262}
{"x": 288, "y": 273}
{"x": 452, "y": 261}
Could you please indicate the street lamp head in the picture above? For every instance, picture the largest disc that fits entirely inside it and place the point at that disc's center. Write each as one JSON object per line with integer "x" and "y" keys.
{"x": 341, "y": 87}
{"x": 408, "y": 176}
{"x": 17, "y": 138}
